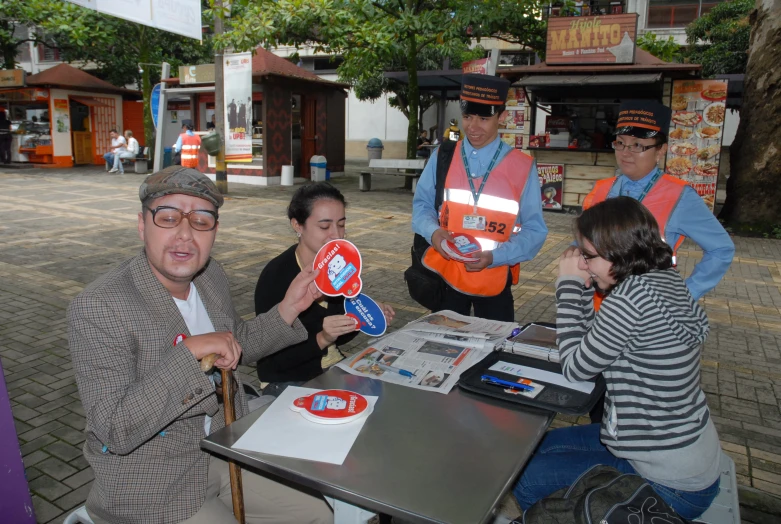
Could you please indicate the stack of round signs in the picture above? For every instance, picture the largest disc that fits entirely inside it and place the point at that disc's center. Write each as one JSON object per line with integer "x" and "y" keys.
{"x": 332, "y": 406}
{"x": 462, "y": 247}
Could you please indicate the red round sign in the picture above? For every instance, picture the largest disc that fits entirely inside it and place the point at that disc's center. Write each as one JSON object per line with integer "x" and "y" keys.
{"x": 332, "y": 406}
{"x": 339, "y": 263}
{"x": 462, "y": 247}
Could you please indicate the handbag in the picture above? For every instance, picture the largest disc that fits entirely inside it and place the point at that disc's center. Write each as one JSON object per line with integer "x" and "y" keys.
{"x": 425, "y": 286}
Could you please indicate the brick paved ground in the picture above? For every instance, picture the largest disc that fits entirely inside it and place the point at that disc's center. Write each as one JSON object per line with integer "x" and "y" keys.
{"x": 59, "y": 230}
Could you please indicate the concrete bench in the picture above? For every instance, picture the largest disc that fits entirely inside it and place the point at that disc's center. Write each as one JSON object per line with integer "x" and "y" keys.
{"x": 395, "y": 167}
{"x": 725, "y": 508}
{"x": 141, "y": 161}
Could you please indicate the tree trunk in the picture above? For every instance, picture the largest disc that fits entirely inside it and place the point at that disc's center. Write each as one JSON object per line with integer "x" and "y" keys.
{"x": 754, "y": 185}
{"x": 413, "y": 101}
{"x": 146, "y": 90}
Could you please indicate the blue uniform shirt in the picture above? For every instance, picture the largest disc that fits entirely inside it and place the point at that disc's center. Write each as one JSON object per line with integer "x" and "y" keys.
{"x": 690, "y": 218}
{"x": 523, "y": 246}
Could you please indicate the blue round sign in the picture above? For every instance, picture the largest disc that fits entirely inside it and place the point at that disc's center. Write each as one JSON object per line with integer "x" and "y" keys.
{"x": 367, "y": 313}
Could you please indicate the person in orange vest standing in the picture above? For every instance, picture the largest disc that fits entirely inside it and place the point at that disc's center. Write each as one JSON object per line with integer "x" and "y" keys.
{"x": 487, "y": 189}
{"x": 641, "y": 145}
{"x": 188, "y": 144}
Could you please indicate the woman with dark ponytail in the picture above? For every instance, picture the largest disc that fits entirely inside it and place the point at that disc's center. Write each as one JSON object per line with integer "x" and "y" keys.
{"x": 646, "y": 341}
{"x": 317, "y": 215}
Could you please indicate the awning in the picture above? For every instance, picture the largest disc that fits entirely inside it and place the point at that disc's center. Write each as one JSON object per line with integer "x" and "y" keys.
{"x": 581, "y": 80}
{"x": 87, "y": 101}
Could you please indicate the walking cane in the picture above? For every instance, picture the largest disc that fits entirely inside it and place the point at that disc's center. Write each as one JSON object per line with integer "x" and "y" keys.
{"x": 237, "y": 492}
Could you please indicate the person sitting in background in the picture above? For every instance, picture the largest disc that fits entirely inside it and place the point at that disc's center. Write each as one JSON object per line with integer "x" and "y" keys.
{"x": 646, "y": 341}
{"x": 118, "y": 144}
{"x": 316, "y": 213}
{"x": 131, "y": 151}
{"x": 423, "y": 142}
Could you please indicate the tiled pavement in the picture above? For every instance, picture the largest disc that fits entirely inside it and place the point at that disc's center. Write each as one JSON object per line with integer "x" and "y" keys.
{"x": 59, "y": 230}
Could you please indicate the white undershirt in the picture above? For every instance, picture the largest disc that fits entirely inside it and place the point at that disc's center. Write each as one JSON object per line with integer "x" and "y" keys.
{"x": 198, "y": 323}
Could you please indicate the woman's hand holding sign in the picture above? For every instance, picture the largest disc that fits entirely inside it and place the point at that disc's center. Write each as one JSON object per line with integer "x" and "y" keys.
{"x": 334, "y": 327}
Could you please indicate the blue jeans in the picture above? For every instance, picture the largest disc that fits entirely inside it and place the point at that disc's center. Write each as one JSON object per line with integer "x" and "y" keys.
{"x": 566, "y": 453}
{"x": 109, "y": 158}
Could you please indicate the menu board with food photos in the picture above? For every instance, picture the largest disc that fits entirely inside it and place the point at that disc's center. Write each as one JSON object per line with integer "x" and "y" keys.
{"x": 696, "y": 131}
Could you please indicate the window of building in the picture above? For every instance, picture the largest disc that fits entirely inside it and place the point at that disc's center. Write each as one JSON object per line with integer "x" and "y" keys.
{"x": 667, "y": 14}
{"x": 327, "y": 63}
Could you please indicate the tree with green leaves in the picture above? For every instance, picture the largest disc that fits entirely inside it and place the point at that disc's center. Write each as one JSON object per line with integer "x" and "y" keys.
{"x": 374, "y": 36}
{"x": 719, "y": 39}
{"x": 18, "y": 19}
{"x": 663, "y": 49}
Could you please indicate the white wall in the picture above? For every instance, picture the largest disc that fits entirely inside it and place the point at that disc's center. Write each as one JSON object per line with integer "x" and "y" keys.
{"x": 61, "y": 142}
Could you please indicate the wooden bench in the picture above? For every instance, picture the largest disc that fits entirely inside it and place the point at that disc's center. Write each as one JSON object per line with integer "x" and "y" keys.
{"x": 394, "y": 167}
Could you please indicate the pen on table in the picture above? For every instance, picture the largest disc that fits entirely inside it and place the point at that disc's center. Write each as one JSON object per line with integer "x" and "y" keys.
{"x": 496, "y": 381}
{"x": 402, "y": 372}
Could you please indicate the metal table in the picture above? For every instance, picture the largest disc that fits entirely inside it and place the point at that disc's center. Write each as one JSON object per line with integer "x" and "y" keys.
{"x": 422, "y": 456}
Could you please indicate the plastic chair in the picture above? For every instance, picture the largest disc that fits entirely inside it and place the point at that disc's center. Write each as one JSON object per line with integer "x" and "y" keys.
{"x": 79, "y": 516}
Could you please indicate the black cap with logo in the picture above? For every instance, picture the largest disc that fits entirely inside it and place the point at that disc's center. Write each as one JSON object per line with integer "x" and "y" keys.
{"x": 483, "y": 95}
{"x": 643, "y": 119}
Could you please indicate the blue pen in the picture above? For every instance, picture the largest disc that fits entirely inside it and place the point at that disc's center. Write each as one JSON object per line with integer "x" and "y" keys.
{"x": 496, "y": 381}
{"x": 402, "y": 372}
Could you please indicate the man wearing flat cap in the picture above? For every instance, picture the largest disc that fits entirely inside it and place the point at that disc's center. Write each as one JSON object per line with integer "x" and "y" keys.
{"x": 482, "y": 187}
{"x": 136, "y": 335}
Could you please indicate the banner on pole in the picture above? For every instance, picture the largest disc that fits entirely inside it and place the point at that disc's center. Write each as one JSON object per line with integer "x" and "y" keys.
{"x": 154, "y": 102}
{"x": 237, "y": 82}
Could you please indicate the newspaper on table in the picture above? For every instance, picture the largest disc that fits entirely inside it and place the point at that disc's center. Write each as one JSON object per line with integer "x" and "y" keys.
{"x": 434, "y": 350}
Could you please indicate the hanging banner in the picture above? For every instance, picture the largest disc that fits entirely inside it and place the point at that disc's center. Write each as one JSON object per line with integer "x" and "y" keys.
{"x": 182, "y": 17}
{"x": 237, "y": 81}
{"x": 551, "y": 185}
{"x": 696, "y": 132}
{"x": 154, "y": 102}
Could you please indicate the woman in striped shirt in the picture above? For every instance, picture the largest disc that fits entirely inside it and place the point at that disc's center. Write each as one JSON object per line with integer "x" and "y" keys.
{"x": 646, "y": 341}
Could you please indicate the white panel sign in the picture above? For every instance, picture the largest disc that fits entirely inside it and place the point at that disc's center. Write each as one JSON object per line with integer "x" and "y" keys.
{"x": 182, "y": 17}
{"x": 139, "y": 11}
{"x": 237, "y": 78}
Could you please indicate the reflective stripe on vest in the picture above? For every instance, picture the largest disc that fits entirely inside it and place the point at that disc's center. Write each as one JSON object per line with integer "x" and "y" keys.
{"x": 499, "y": 204}
{"x": 190, "y": 147}
{"x": 661, "y": 201}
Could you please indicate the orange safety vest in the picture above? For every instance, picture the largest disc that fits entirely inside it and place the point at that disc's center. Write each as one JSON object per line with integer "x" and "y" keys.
{"x": 661, "y": 201}
{"x": 499, "y": 204}
{"x": 190, "y": 147}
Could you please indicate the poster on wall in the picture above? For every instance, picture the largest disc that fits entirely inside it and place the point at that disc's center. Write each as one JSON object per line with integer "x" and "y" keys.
{"x": 237, "y": 75}
{"x": 61, "y": 116}
{"x": 512, "y": 139}
{"x": 696, "y": 132}
{"x": 551, "y": 185}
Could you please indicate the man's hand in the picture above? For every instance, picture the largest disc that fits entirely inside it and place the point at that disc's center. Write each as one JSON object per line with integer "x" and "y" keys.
{"x": 569, "y": 265}
{"x": 486, "y": 258}
{"x": 436, "y": 241}
{"x": 221, "y": 343}
{"x": 300, "y": 295}
{"x": 388, "y": 311}
{"x": 334, "y": 327}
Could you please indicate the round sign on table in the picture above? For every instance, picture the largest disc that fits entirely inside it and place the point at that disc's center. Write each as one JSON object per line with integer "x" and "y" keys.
{"x": 367, "y": 314}
{"x": 461, "y": 247}
{"x": 339, "y": 263}
{"x": 332, "y": 406}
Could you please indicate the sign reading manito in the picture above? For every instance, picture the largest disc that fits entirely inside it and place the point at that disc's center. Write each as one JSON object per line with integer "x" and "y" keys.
{"x": 608, "y": 39}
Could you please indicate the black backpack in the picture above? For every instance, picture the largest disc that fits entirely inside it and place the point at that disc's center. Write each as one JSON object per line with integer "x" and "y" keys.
{"x": 603, "y": 495}
{"x": 426, "y": 287}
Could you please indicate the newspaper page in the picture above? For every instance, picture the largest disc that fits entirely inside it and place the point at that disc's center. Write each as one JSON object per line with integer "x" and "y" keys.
{"x": 431, "y": 366}
{"x": 449, "y": 327}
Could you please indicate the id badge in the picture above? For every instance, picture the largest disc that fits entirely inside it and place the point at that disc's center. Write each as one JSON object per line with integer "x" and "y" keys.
{"x": 474, "y": 222}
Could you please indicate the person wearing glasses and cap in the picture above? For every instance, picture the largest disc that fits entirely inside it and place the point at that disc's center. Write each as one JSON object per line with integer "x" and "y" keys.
{"x": 136, "y": 335}
{"x": 488, "y": 190}
{"x": 641, "y": 145}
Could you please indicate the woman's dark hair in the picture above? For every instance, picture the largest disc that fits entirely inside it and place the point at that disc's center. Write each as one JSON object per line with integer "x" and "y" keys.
{"x": 305, "y": 197}
{"x": 625, "y": 233}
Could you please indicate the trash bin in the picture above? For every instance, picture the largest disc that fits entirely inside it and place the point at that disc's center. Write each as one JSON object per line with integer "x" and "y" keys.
{"x": 317, "y": 166}
{"x": 327, "y": 175}
{"x": 375, "y": 148}
{"x": 168, "y": 156}
{"x": 287, "y": 176}
{"x": 211, "y": 143}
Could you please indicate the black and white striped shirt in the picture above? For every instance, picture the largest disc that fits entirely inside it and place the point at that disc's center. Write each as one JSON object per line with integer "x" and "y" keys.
{"x": 646, "y": 341}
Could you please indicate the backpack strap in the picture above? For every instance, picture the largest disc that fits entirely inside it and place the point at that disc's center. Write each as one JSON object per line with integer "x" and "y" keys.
{"x": 444, "y": 157}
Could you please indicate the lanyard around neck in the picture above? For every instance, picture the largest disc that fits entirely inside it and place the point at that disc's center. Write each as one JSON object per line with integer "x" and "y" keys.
{"x": 476, "y": 194}
{"x": 649, "y": 185}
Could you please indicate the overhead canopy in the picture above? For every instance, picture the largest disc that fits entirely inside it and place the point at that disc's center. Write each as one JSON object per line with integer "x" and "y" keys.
{"x": 87, "y": 101}
{"x": 582, "y": 80}
{"x": 447, "y": 80}
{"x": 67, "y": 76}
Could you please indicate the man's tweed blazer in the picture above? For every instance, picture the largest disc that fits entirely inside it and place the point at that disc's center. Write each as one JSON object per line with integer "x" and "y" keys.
{"x": 146, "y": 399}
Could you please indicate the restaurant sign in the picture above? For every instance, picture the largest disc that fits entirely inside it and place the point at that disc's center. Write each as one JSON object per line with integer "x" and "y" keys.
{"x": 608, "y": 39}
{"x": 25, "y": 95}
{"x": 196, "y": 74}
{"x": 12, "y": 77}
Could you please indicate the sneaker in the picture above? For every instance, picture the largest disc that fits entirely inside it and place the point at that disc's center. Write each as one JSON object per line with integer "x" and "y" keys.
{"x": 114, "y": 171}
